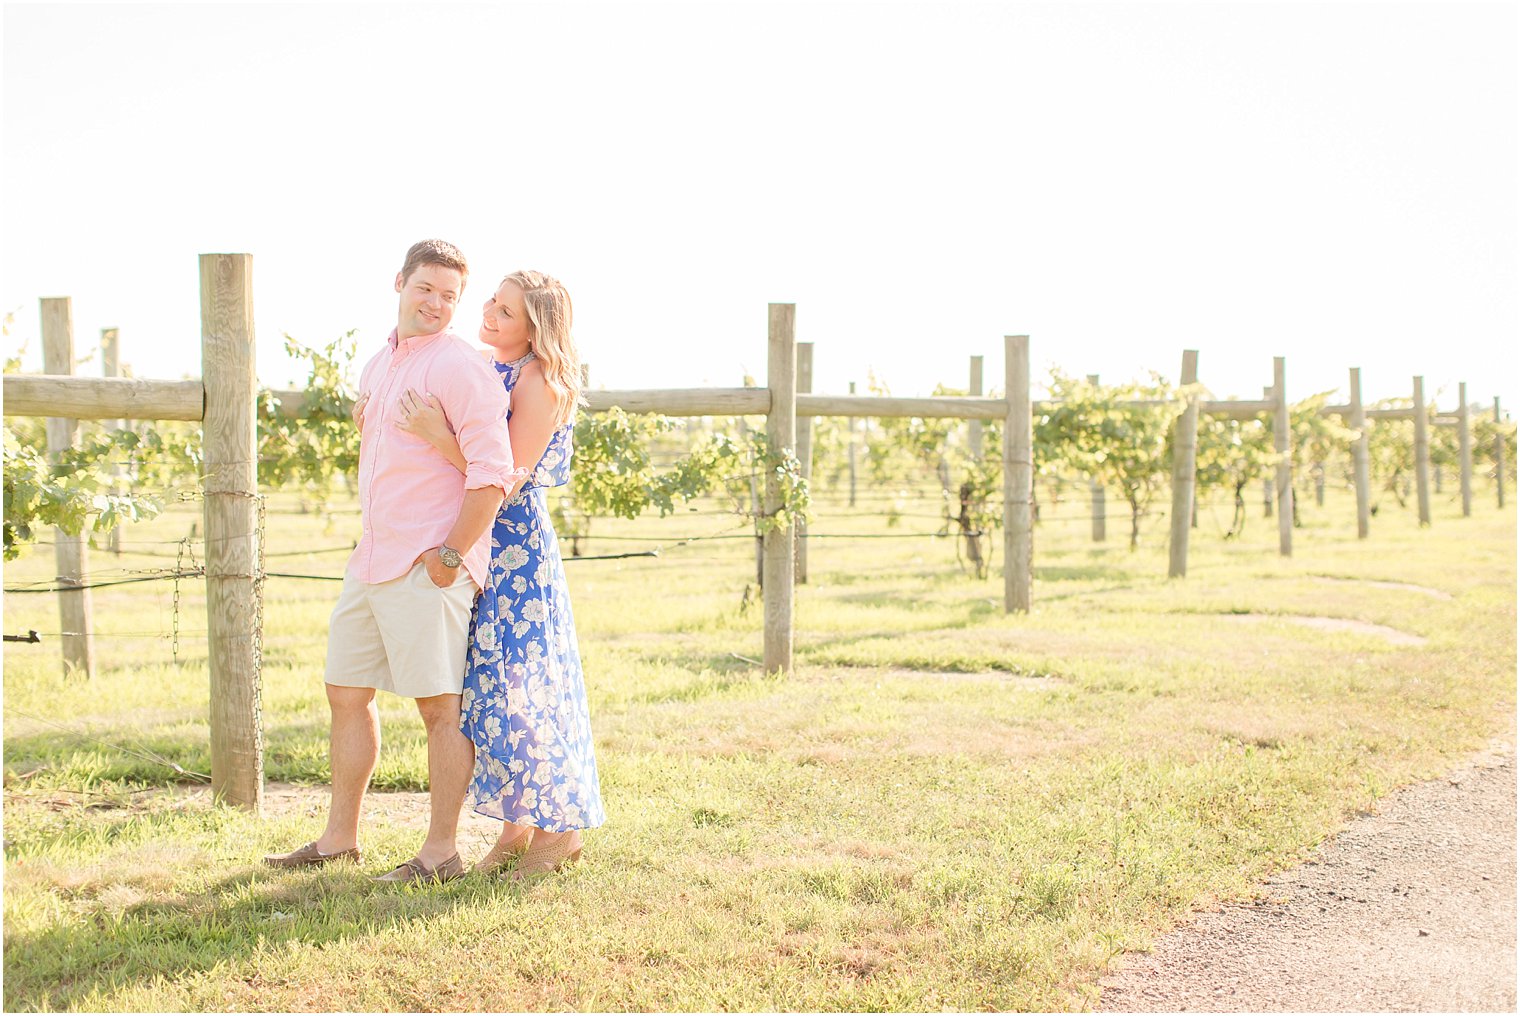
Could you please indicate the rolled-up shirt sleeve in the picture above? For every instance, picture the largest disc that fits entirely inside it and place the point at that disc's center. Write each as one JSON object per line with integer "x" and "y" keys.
{"x": 475, "y": 402}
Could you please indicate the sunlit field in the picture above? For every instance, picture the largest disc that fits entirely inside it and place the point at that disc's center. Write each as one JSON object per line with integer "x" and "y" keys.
{"x": 943, "y": 806}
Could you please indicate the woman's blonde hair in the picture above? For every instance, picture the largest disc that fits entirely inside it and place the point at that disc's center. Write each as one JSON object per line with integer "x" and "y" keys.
{"x": 550, "y": 314}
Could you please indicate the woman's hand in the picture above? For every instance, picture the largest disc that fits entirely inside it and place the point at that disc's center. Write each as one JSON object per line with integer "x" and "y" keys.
{"x": 423, "y": 415}
{"x": 359, "y": 405}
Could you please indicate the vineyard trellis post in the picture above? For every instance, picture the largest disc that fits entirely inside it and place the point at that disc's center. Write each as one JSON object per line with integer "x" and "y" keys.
{"x": 780, "y": 432}
{"x": 804, "y": 451}
{"x": 110, "y": 366}
{"x": 1184, "y": 469}
{"x": 1281, "y": 431}
{"x": 1464, "y": 443}
{"x": 1018, "y": 477}
{"x": 1498, "y": 451}
{"x": 853, "y": 422}
{"x": 1421, "y": 451}
{"x": 1361, "y": 458}
{"x": 1098, "y": 498}
{"x": 230, "y": 484}
{"x": 71, "y": 554}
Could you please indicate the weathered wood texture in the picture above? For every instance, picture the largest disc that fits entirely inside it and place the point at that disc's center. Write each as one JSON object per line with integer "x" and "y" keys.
{"x": 1281, "y": 433}
{"x": 1018, "y": 478}
{"x": 233, "y": 608}
{"x": 1421, "y": 451}
{"x": 781, "y": 435}
{"x": 1406, "y": 413}
{"x": 956, "y": 407}
{"x": 70, "y": 553}
{"x": 91, "y": 398}
{"x": 1237, "y": 409}
{"x": 1184, "y": 470}
{"x": 1361, "y": 459}
{"x": 103, "y": 398}
{"x": 804, "y": 454}
{"x": 110, "y": 366}
{"x": 751, "y": 402}
{"x": 685, "y": 401}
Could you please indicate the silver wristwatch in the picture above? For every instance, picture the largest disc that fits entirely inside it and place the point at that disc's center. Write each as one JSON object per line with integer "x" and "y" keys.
{"x": 450, "y": 557}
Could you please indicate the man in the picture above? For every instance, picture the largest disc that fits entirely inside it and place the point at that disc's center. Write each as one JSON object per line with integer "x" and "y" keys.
{"x": 402, "y": 620}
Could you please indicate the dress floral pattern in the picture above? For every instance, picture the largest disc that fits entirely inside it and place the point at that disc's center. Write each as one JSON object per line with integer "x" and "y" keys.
{"x": 524, "y": 700}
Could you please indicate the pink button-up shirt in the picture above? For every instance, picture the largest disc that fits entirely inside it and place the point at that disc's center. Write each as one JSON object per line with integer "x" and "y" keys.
{"x": 409, "y": 494}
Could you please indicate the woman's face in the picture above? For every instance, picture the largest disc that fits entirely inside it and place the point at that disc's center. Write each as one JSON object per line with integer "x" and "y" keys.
{"x": 504, "y": 323}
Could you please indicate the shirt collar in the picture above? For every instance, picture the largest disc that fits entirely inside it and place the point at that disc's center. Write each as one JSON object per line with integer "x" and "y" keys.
{"x": 414, "y": 343}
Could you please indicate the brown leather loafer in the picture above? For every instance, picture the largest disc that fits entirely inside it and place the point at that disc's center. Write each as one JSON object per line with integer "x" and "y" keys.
{"x": 309, "y": 856}
{"x": 415, "y": 871}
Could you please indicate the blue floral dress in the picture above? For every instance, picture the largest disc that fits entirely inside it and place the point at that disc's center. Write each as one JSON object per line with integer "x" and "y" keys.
{"x": 524, "y": 700}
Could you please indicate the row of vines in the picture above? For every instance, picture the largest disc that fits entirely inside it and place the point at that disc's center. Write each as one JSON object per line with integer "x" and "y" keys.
{"x": 1117, "y": 436}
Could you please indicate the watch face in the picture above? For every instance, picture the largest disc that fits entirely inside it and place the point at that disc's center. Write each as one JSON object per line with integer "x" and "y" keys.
{"x": 450, "y": 557}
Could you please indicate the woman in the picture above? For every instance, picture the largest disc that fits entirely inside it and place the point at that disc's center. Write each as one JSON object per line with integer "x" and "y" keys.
{"x": 524, "y": 697}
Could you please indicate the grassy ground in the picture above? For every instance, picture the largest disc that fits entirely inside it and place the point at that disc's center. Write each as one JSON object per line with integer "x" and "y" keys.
{"x": 943, "y": 806}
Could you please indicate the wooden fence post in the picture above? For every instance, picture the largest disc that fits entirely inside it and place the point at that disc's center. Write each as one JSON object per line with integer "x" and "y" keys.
{"x": 852, "y": 452}
{"x": 1184, "y": 469}
{"x": 1360, "y": 458}
{"x": 1421, "y": 451}
{"x": 76, "y": 614}
{"x": 1018, "y": 477}
{"x": 110, "y": 366}
{"x": 974, "y": 434}
{"x": 804, "y": 451}
{"x": 1098, "y": 499}
{"x": 234, "y": 588}
{"x": 1499, "y": 451}
{"x": 1281, "y": 432}
{"x": 780, "y": 431}
{"x": 1464, "y": 443}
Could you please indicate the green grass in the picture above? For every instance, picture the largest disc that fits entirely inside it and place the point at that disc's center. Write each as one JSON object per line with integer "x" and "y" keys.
{"x": 943, "y": 806}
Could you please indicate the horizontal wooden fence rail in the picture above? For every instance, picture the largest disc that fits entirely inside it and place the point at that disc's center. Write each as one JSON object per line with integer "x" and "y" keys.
{"x": 111, "y": 398}
{"x": 104, "y": 398}
{"x": 684, "y": 401}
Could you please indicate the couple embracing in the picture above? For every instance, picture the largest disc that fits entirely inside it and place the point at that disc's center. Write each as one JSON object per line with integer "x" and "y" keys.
{"x": 455, "y": 595}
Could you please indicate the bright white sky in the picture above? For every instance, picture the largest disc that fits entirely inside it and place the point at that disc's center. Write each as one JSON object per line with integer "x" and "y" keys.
{"x": 1337, "y": 183}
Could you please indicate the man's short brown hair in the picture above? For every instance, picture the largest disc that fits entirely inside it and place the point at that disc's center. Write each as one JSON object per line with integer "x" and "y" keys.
{"x": 434, "y": 252}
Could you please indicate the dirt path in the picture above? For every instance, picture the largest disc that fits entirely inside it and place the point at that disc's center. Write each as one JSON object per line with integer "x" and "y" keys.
{"x": 1411, "y": 909}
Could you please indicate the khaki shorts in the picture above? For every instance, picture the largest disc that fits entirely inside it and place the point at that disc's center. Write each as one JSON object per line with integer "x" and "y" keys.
{"x": 405, "y": 636}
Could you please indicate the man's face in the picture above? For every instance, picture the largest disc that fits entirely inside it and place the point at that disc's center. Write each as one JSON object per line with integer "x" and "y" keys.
{"x": 428, "y": 298}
